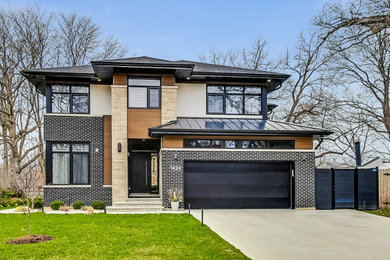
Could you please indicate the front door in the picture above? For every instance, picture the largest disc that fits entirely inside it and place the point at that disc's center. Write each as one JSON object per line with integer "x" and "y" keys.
{"x": 139, "y": 173}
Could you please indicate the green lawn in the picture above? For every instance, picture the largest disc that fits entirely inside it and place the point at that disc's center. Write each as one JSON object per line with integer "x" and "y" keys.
{"x": 385, "y": 212}
{"x": 152, "y": 236}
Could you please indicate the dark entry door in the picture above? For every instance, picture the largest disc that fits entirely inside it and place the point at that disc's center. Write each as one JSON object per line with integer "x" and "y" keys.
{"x": 237, "y": 185}
{"x": 139, "y": 173}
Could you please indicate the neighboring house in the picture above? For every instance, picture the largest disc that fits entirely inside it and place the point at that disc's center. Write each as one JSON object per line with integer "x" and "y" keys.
{"x": 121, "y": 128}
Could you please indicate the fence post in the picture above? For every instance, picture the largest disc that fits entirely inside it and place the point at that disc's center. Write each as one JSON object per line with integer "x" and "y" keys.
{"x": 202, "y": 216}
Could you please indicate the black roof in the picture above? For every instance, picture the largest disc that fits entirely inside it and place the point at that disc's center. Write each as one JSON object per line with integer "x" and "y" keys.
{"x": 183, "y": 69}
{"x": 234, "y": 126}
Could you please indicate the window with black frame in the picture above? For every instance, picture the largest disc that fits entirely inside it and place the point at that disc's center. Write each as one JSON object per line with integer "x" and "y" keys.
{"x": 70, "y": 163}
{"x": 67, "y": 99}
{"x": 144, "y": 92}
{"x": 239, "y": 144}
{"x": 234, "y": 100}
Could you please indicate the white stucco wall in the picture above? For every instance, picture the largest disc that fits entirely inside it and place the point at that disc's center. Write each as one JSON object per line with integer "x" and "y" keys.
{"x": 191, "y": 102}
{"x": 100, "y": 99}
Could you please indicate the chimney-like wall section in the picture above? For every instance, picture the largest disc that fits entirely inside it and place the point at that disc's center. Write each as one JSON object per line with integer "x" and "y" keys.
{"x": 168, "y": 99}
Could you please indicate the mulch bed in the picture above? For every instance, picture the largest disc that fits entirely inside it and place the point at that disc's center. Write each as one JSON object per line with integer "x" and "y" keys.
{"x": 30, "y": 239}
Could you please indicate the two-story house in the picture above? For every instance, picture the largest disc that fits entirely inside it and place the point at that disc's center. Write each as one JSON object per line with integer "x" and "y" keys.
{"x": 126, "y": 128}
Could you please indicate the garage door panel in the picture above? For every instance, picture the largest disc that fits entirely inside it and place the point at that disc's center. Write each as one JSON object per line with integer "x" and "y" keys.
{"x": 238, "y": 203}
{"x": 232, "y": 178}
{"x": 237, "y": 185}
{"x": 237, "y": 191}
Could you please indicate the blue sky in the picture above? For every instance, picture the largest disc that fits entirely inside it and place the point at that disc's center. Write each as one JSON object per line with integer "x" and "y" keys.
{"x": 185, "y": 29}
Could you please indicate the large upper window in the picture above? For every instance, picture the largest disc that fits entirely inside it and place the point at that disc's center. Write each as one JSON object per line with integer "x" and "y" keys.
{"x": 144, "y": 93}
{"x": 67, "y": 99}
{"x": 234, "y": 100}
{"x": 70, "y": 162}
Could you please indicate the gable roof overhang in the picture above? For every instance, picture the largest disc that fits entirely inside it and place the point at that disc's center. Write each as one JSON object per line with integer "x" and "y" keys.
{"x": 235, "y": 126}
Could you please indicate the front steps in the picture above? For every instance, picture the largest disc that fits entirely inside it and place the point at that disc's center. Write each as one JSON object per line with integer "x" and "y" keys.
{"x": 145, "y": 203}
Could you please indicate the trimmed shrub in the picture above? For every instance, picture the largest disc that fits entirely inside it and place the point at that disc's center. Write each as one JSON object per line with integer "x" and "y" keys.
{"x": 98, "y": 204}
{"x": 38, "y": 203}
{"x": 78, "y": 204}
{"x": 55, "y": 205}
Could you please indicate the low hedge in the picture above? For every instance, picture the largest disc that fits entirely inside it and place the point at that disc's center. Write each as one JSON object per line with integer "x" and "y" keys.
{"x": 55, "y": 205}
{"x": 98, "y": 204}
{"x": 78, "y": 204}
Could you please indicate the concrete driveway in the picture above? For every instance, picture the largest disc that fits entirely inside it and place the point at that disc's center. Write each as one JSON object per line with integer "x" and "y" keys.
{"x": 302, "y": 234}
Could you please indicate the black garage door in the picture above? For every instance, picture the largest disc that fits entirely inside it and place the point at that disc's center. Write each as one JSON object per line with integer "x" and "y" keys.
{"x": 228, "y": 185}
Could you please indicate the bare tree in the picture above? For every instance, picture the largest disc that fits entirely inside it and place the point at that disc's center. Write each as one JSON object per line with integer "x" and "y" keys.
{"x": 253, "y": 57}
{"x": 78, "y": 40}
{"x": 29, "y": 182}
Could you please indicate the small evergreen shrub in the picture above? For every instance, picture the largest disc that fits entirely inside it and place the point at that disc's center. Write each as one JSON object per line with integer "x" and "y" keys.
{"x": 55, "y": 205}
{"x": 78, "y": 204}
{"x": 98, "y": 204}
{"x": 38, "y": 203}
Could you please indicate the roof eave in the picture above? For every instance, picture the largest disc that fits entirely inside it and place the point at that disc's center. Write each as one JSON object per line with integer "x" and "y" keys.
{"x": 156, "y": 132}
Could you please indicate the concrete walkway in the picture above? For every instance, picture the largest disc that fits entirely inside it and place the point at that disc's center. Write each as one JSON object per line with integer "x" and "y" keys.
{"x": 302, "y": 234}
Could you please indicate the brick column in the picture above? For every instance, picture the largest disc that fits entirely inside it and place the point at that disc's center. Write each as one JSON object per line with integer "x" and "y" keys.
{"x": 119, "y": 136}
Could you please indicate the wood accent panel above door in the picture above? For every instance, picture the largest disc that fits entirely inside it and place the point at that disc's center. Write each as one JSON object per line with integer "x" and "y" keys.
{"x": 120, "y": 79}
{"x": 140, "y": 120}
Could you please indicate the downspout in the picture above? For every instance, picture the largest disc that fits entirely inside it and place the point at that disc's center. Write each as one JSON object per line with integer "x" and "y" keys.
{"x": 264, "y": 105}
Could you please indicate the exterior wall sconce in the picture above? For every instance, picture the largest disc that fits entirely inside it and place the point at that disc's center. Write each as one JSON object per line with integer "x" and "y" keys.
{"x": 119, "y": 147}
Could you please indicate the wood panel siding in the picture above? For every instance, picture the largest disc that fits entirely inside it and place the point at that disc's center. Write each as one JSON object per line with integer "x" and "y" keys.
{"x": 107, "y": 151}
{"x": 176, "y": 141}
{"x": 120, "y": 79}
{"x": 139, "y": 120}
{"x": 168, "y": 80}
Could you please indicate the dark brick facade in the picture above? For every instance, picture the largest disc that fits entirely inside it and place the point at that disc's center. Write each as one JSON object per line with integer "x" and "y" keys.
{"x": 84, "y": 129}
{"x": 173, "y": 175}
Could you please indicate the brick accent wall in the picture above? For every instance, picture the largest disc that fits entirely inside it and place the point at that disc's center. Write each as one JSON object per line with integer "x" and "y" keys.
{"x": 173, "y": 175}
{"x": 84, "y": 129}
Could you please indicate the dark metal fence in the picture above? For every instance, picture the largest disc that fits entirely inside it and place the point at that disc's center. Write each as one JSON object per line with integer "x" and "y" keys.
{"x": 347, "y": 188}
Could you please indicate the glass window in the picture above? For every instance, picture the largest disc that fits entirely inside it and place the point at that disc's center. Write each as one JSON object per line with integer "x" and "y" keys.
{"x": 80, "y": 147}
{"x": 237, "y": 90}
{"x": 80, "y": 104}
{"x": 143, "y": 93}
{"x": 138, "y": 97}
{"x": 234, "y": 104}
{"x": 144, "y": 82}
{"x": 80, "y": 168}
{"x": 70, "y": 166}
{"x": 60, "y": 103}
{"x": 80, "y": 89}
{"x": 69, "y": 99}
{"x": 215, "y": 104}
{"x": 154, "y": 97}
{"x": 215, "y": 89}
{"x": 60, "y": 147}
{"x": 253, "y": 90}
{"x": 236, "y": 100}
{"x": 239, "y": 144}
{"x": 252, "y": 104}
{"x": 61, "y": 168}
{"x": 60, "y": 88}
{"x": 230, "y": 144}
